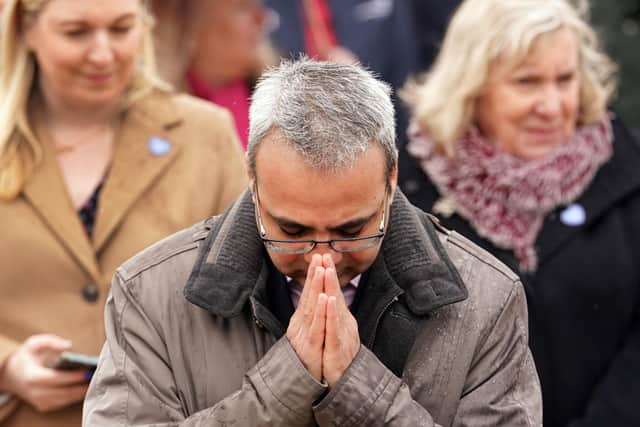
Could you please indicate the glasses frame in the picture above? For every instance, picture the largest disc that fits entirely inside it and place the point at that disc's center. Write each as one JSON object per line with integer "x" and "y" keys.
{"x": 269, "y": 243}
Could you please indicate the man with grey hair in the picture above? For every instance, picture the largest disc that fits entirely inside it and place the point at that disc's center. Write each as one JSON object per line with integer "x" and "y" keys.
{"x": 321, "y": 297}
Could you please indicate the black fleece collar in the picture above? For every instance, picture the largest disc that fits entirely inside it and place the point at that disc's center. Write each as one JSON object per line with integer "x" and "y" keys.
{"x": 233, "y": 263}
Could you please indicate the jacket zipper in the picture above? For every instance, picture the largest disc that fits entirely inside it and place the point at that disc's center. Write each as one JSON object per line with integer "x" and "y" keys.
{"x": 255, "y": 318}
{"x": 384, "y": 310}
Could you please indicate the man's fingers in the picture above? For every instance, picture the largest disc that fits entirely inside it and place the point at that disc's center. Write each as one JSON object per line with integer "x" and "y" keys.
{"x": 332, "y": 287}
{"x": 331, "y": 327}
{"x": 42, "y": 343}
{"x": 332, "y": 277}
{"x": 315, "y": 288}
{"x": 317, "y": 329}
{"x": 316, "y": 260}
{"x": 327, "y": 261}
{"x": 306, "y": 328}
{"x": 59, "y": 377}
{"x": 331, "y": 284}
{"x": 50, "y": 399}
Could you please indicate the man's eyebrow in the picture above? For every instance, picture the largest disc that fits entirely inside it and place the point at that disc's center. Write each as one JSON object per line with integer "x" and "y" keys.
{"x": 353, "y": 223}
{"x": 288, "y": 223}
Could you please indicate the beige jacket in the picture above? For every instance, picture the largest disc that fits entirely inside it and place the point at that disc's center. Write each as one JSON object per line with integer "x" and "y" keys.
{"x": 213, "y": 352}
{"x": 53, "y": 279}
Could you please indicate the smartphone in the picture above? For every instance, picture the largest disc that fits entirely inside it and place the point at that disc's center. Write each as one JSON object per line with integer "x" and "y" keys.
{"x": 69, "y": 360}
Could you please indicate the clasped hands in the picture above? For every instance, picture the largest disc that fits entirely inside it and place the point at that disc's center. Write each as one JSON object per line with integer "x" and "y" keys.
{"x": 322, "y": 330}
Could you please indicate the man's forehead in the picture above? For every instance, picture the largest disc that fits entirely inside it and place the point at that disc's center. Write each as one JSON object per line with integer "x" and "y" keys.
{"x": 276, "y": 154}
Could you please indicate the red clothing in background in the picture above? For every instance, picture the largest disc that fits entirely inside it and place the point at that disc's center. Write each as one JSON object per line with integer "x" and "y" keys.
{"x": 233, "y": 96}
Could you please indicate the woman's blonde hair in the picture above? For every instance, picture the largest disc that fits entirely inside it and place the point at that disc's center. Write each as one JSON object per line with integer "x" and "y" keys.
{"x": 483, "y": 31}
{"x": 19, "y": 148}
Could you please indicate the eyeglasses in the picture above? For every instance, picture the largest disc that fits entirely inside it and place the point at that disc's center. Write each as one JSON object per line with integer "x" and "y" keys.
{"x": 297, "y": 247}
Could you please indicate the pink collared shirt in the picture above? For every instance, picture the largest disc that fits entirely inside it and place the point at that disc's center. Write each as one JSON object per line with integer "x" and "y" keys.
{"x": 349, "y": 290}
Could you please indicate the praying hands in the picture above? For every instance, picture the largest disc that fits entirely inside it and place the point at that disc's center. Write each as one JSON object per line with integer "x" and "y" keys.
{"x": 322, "y": 331}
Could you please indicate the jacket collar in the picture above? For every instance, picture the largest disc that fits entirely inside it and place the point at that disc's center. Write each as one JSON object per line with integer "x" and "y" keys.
{"x": 46, "y": 191}
{"x": 132, "y": 171}
{"x": 232, "y": 262}
{"x": 135, "y": 165}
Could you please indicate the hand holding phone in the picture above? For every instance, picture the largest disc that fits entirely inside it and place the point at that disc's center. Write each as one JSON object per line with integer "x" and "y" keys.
{"x": 27, "y": 373}
{"x": 69, "y": 360}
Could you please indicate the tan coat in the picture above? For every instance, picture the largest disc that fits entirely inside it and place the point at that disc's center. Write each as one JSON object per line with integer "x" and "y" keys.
{"x": 193, "y": 339}
{"x": 49, "y": 267}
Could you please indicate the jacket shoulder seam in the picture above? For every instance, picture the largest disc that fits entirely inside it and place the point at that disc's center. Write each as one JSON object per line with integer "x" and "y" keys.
{"x": 503, "y": 306}
{"x": 159, "y": 253}
{"x": 479, "y": 254}
{"x": 153, "y": 261}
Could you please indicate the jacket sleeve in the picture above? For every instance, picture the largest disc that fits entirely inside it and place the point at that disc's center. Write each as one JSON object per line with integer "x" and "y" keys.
{"x": 134, "y": 383}
{"x": 502, "y": 387}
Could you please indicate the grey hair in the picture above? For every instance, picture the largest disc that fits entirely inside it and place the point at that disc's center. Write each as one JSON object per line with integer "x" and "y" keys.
{"x": 329, "y": 113}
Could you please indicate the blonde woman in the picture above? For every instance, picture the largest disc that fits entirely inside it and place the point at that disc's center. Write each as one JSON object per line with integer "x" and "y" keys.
{"x": 513, "y": 146}
{"x": 97, "y": 161}
{"x": 214, "y": 50}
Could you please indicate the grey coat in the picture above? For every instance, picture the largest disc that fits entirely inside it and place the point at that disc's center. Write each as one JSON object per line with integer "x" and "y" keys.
{"x": 212, "y": 353}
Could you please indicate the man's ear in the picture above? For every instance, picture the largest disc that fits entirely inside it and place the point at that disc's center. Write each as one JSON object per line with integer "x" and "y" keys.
{"x": 250, "y": 175}
{"x": 393, "y": 181}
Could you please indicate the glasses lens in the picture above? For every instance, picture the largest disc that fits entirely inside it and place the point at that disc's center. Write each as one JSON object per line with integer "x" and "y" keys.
{"x": 355, "y": 245}
{"x": 292, "y": 247}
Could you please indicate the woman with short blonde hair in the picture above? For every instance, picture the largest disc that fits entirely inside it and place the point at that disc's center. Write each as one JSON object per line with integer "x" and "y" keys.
{"x": 444, "y": 101}
{"x": 511, "y": 144}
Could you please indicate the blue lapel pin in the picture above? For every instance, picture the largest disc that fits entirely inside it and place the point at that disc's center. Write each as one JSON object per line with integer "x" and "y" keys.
{"x": 158, "y": 146}
{"x": 574, "y": 215}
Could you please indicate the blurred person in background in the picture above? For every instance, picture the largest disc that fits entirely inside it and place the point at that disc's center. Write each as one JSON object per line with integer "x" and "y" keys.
{"x": 379, "y": 34}
{"x": 431, "y": 18}
{"x": 512, "y": 145}
{"x": 214, "y": 50}
{"x": 618, "y": 24}
{"x": 97, "y": 161}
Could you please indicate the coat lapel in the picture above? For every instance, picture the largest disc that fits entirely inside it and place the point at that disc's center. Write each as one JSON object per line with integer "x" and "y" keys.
{"x": 414, "y": 263}
{"x": 143, "y": 152}
{"x": 47, "y": 193}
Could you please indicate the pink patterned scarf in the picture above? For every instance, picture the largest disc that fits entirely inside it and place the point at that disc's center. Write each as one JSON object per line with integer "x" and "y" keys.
{"x": 506, "y": 198}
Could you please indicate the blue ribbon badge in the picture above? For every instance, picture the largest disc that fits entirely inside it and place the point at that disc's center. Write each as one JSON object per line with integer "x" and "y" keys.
{"x": 158, "y": 146}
